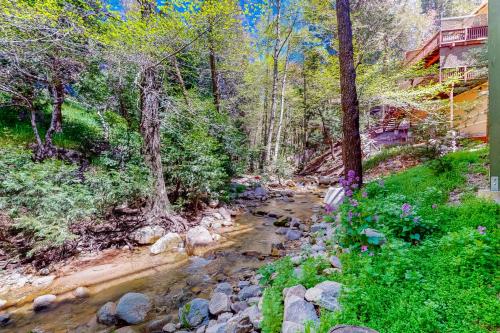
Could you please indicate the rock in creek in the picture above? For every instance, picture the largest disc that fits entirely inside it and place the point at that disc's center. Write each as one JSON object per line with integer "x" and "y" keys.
{"x": 107, "y": 314}
{"x": 249, "y": 292}
{"x": 4, "y": 319}
{"x": 147, "y": 235}
{"x": 282, "y": 221}
{"x": 293, "y": 235}
{"x": 351, "y": 329}
{"x": 239, "y": 306}
{"x": 219, "y": 303}
{"x": 167, "y": 242}
{"x": 198, "y": 236}
{"x": 194, "y": 313}
{"x": 325, "y": 294}
{"x": 2, "y": 303}
{"x": 254, "y": 314}
{"x": 43, "y": 302}
{"x": 132, "y": 308}
{"x": 81, "y": 292}
{"x": 224, "y": 287}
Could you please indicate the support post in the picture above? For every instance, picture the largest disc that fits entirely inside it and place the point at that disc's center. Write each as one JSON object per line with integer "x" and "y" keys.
{"x": 494, "y": 95}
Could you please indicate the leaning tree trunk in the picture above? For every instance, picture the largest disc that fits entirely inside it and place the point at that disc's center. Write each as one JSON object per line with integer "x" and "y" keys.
{"x": 180, "y": 80}
{"x": 39, "y": 152}
{"x": 274, "y": 91}
{"x": 351, "y": 144}
{"x": 150, "y": 131}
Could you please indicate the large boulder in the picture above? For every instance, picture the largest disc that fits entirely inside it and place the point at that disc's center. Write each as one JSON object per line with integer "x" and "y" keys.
{"x": 219, "y": 303}
{"x": 194, "y": 313}
{"x": 298, "y": 290}
{"x": 249, "y": 292}
{"x": 254, "y": 315}
{"x": 325, "y": 294}
{"x": 43, "y": 302}
{"x": 198, "y": 236}
{"x": 292, "y": 327}
{"x": 147, "y": 235}
{"x": 351, "y": 329}
{"x": 107, "y": 314}
{"x": 167, "y": 242}
{"x": 132, "y": 308}
{"x": 217, "y": 328}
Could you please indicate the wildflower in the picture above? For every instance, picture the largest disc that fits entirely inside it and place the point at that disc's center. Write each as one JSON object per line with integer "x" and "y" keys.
{"x": 416, "y": 219}
{"x": 434, "y": 206}
{"x": 350, "y": 215}
{"x": 348, "y": 193}
{"x": 481, "y": 230}
{"x": 364, "y": 248}
{"x": 351, "y": 174}
{"x": 329, "y": 209}
{"x": 354, "y": 203}
{"x": 406, "y": 208}
{"x": 364, "y": 195}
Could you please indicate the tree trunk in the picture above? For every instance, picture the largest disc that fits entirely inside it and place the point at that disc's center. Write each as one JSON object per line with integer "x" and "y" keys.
{"x": 57, "y": 92}
{"x": 213, "y": 73}
{"x": 150, "y": 131}
{"x": 180, "y": 80}
{"x": 274, "y": 91}
{"x": 58, "y": 102}
{"x": 39, "y": 153}
{"x": 351, "y": 144}
{"x": 282, "y": 110}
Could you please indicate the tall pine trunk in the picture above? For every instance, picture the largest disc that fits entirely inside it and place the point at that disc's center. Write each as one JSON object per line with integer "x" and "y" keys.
{"x": 150, "y": 131}
{"x": 351, "y": 144}
{"x": 274, "y": 91}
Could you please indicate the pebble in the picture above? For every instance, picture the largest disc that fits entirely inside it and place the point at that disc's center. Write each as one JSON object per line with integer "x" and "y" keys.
{"x": 81, "y": 292}
{"x": 169, "y": 328}
{"x": 43, "y": 302}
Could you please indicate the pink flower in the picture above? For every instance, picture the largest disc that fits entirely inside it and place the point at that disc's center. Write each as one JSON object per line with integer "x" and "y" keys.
{"x": 434, "y": 206}
{"x": 364, "y": 195}
{"x": 329, "y": 209}
{"x": 481, "y": 230}
{"x": 364, "y": 248}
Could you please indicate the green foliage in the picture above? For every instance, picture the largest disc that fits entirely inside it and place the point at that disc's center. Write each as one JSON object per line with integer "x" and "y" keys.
{"x": 445, "y": 284}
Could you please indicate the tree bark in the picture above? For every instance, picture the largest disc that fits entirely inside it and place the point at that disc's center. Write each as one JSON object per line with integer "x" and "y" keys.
{"x": 213, "y": 73}
{"x": 282, "y": 110}
{"x": 39, "y": 153}
{"x": 180, "y": 80}
{"x": 150, "y": 131}
{"x": 351, "y": 144}
{"x": 274, "y": 91}
{"x": 57, "y": 92}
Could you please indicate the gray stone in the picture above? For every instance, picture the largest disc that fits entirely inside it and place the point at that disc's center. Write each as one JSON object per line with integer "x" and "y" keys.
{"x": 260, "y": 192}
{"x": 291, "y": 327}
{"x": 253, "y": 300}
{"x": 296, "y": 260}
{"x": 132, "y": 308}
{"x": 223, "y": 287}
{"x": 156, "y": 325}
{"x": 167, "y": 242}
{"x": 224, "y": 317}
{"x": 201, "y": 329}
{"x": 147, "y": 235}
{"x": 298, "y": 290}
{"x": 194, "y": 313}
{"x": 281, "y": 231}
{"x": 4, "y": 319}
{"x": 335, "y": 262}
{"x": 317, "y": 248}
{"x": 219, "y": 303}
{"x": 217, "y": 328}
{"x": 239, "y": 324}
{"x": 351, "y": 329}
{"x": 169, "y": 328}
{"x": 374, "y": 236}
{"x": 299, "y": 311}
{"x": 254, "y": 315}
{"x": 293, "y": 235}
{"x": 107, "y": 314}
{"x": 239, "y": 306}
{"x": 295, "y": 222}
{"x": 325, "y": 294}
{"x": 248, "y": 292}
{"x": 198, "y": 236}
{"x": 43, "y": 302}
{"x": 2, "y": 303}
{"x": 243, "y": 284}
{"x": 319, "y": 227}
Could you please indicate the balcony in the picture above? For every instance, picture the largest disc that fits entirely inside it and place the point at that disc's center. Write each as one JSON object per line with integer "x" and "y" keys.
{"x": 464, "y": 35}
{"x": 464, "y": 74}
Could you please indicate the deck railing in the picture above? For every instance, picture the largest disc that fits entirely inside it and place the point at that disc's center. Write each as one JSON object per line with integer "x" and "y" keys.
{"x": 463, "y": 35}
{"x": 463, "y": 73}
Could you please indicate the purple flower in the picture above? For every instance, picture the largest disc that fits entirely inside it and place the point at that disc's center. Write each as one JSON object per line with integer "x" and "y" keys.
{"x": 351, "y": 174}
{"x": 406, "y": 208}
{"x": 416, "y": 220}
{"x": 481, "y": 230}
{"x": 350, "y": 215}
{"x": 364, "y": 195}
{"x": 354, "y": 203}
{"x": 364, "y": 248}
{"x": 434, "y": 206}
{"x": 354, "y": 186}
{"x": 348, "y": 193}
{"x": 329, "y": 209}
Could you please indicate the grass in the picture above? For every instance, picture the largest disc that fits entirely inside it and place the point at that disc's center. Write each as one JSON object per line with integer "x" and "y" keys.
{"x": 447, "y": 282}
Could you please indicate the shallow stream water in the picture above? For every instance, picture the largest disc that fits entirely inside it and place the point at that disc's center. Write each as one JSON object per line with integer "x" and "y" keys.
{"x": 177, "y": 280}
